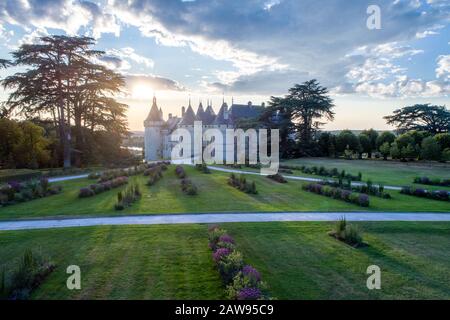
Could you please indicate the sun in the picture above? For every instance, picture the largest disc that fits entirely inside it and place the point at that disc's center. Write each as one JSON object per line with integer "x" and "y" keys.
{"x": 142, "y": 91}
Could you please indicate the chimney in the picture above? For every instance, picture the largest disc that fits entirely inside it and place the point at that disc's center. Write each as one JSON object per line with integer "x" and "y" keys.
{"x": 183, "y": 110}
{"x": 170, "y": 116}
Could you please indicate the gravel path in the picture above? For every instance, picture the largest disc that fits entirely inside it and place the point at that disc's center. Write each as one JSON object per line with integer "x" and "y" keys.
{"x": 290, "y": 177}
{"x": 220, "y": 218}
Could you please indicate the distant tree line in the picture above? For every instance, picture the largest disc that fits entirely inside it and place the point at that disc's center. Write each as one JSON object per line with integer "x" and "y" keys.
{"x": 422, "y": 130}
{"x": 69, "y": 100}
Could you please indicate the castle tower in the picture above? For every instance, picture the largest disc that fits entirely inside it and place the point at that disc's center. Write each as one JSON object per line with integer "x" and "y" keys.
{"x": 153, "y": 135}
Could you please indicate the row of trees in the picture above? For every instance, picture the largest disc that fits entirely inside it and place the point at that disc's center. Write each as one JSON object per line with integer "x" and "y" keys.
{"x": 410, "y": 145}
{"x": 62, "y": 86}
{"x": 299, "y": 115}
{"x": 23, "y": 145}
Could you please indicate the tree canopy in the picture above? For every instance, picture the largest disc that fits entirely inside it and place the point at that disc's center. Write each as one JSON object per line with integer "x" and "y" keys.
{"x": 421, "y": 117}
{"x": 300, "y": 114}
{"x": 63, "y": 82}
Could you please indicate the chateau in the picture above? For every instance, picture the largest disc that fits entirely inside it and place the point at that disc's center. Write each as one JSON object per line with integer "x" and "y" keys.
{"x": 158, "y": 143}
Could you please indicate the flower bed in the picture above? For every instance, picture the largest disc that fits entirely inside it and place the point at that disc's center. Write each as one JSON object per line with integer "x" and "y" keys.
{"x": 432, "y": 182}
{"x": 243, "y": 282}
{"x": 125, "y": 199}
{"x": 98, "y": 188}
{"x": 442, "y": 195}
{"x": 15, "y": 192}
{"x": 242, "y": 184}
{"x": 26, "y": 277}
{"x": 188, "y": 187}
{"x": 277, "y": 177}
{"x": 180, "y": 172}
{"x": 324, "y": 172}
{"x": 125, "y": 172}
{"x": 360, "y": 199}
{"x": 347, "y": 233}
{"x": 155, "y": 173}
{"x": 367, "y": 188}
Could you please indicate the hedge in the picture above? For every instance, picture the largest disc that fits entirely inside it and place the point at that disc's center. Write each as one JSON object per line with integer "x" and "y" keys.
{"x": 15, "y": 192}
{"x": 442, "y": 195}
{"x": 243, "y": 282}
{"x": 360, "y": 199}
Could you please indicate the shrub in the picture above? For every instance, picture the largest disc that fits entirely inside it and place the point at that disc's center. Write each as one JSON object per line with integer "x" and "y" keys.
{"x": 179, "y": 171}
{"x": 337, "y": 193}
{"x": 322, "y": 171}
{"x": 230, "y": 265}
{"x": 220, "y": 254}
{"x": 214, "y": 235}
{"x": 363, "y": 200}
{"x": 340, "y": 226}
{"x": 30, "y": 273}
{"x": 242, "y": 184}
{"x": 243, "y": 281}
{"x": 226, "y": 238}
{"x": 15, "y": 192}
{"x": 433, "y": 182}
{"x": 98, "y": 188}
{"x": 249, "y": 294}
{"x": 352, "y": 235}
{"x": 188, "y": 187}
{"x": 442, "y": 195}
{"x": 252, "y": 274}
{"x": 278, "y": 178}
{"x": 128, "y": 197}
{"x": 347, "y": 233}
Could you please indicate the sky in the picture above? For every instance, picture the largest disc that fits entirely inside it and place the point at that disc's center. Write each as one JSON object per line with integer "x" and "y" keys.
{"x": 249, "y": 50}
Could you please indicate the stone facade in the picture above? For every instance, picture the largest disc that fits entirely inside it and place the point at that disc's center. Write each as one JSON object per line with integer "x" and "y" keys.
{"x": 158, "y": 141}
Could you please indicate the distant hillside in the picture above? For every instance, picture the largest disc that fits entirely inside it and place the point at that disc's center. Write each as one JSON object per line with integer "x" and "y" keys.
{"x": 336, "y": 132}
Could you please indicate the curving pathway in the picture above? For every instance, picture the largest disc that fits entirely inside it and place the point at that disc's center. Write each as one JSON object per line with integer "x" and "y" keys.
{"x": 221, "y": 218}
{"x": 290, "y": 177}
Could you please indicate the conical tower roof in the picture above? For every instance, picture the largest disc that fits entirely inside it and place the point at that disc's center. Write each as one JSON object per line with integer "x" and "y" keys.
{"x": 201, "y": 114}
{"x": 209, "y": 115}
{"x": 189, "y": 117}
{"x": 155, "y": 113}
{"x": 220, "y": 118}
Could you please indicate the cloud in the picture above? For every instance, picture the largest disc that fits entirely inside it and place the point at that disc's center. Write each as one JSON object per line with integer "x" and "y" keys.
{"x": 67, "y": 15}
{"x": 120, "y": 59}
{"x": 154, "y": 82}
{"x": 264, "y": 39}
{"x": 443, "y": 67}
{"x": 113, "y": 62}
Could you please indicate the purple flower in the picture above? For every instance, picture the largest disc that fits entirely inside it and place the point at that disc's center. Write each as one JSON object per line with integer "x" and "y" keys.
{"x": 220, "y": 253}
{"x": 226, "y": 238}
{"x": 252, "y": 273}
{"x": 249, "y": 294}
{"x": 17, "y": 186}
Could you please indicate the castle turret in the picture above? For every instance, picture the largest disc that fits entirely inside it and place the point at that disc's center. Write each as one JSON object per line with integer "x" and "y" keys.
{"x": 153, "y": 137}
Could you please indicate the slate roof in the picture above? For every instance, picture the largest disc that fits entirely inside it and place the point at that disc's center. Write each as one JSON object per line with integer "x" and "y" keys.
{"x": 155, "y": 113}
{"x": 209, "y": 116}
{"x": 201, "y": 114}
{"x": 220, "y": 118}
{"x": 189, "y": 117}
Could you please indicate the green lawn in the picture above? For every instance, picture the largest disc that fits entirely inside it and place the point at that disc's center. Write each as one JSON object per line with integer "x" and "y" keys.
{"x": 297, "y": 260}
{"x": 379, "y": 171}
{"x": 215, "y": 195}
{"x": 127, "y": 262}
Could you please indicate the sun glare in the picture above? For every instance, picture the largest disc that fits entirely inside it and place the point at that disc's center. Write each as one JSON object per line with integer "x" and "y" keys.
{"x": 142, "y": 91}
